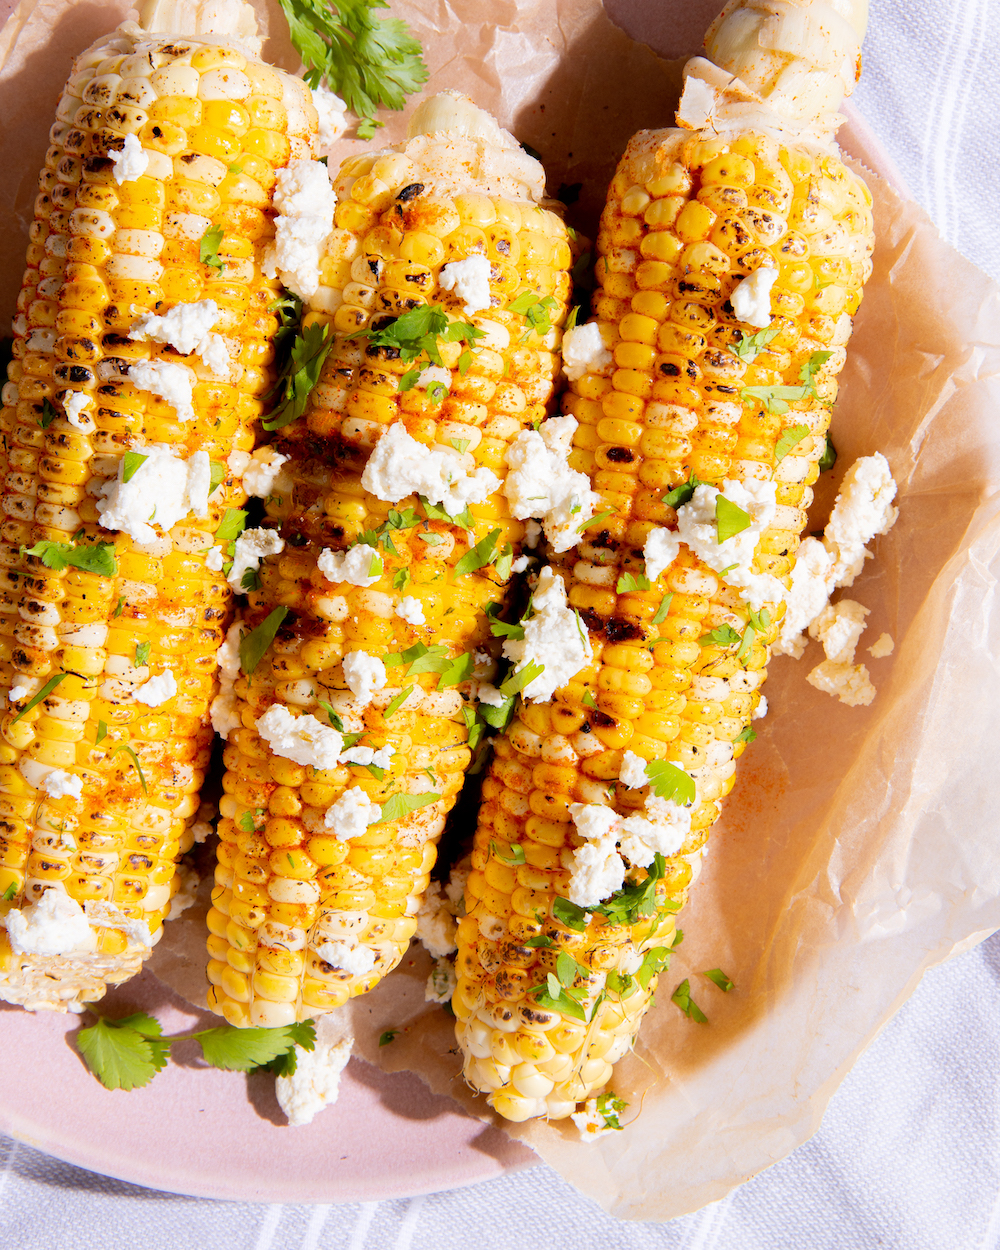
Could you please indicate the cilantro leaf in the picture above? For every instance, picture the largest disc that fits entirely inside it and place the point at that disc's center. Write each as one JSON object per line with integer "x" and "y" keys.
{"x": 682, "y": 494}
{"x": 49, "y": 414}
{"x": 90, "y": 557}
{"x": 516, "y": 855}
{"x": 502, "y": 629}
{"x": 552, "y": 996}
{"x": 588, "y": 699}
{"x": 654, "y": 962}
{"x": 132, "y": 462}
{"x": 682, "y": 997}
{"x": 216, "y": 475}
{"x": 730, "y": 519}
{"x": 610, "y": 1108}
{"x": 807, "y": 374}
{"x": 44, "y": 693}
{"x": 719, "y": 978}
{"x": 208, "y": 247}
{"x": 601, "y": 516}
{"x": 539, "y": 941}
{"x": 458, "y": 670}
{"x": 398, "y": 805}
{"x": 637, "y": 898}
{"x": 256, "y": 643}
{"x": 239, "y": 1050}
{"x": 498, "y": 717}
{"x": 569, "y": 914}
{"x": 120, "y": 1057}
{"x": 135, "y": 760}
{"x": 10, "y": 893}
{"x": 479, "y": 555}
{"x": 388, "y": 1036}
{"x": 751, "y": 345}
{"x": 232, "y": 525}
{"x": 789, "y": 438}
{"x": 630, "y": 582}
{"x": 397, "y": 702}
{"x": 829, "y": 456}
{"x": 663, "y": 609}
{"x": 419, "y": 332}
{"x": 142, "y": 654}
{"x": 721, "y": 636}
{"x": 667, "y": 781}
{"x": 300, "y": 375}
{"x": 776, "y": 398}
{"x": 746, "y": 734}
{"x": 514, "y": 683}
{"x": 334, "y": 718}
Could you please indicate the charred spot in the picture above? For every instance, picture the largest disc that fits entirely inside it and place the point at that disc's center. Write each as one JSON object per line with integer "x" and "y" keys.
{"x": 408, "y": 193}
{"x": 723, "y": 388}
{"x": 373, "y": 265}
{"x": 34, "y": 606}
{"x": 175, "y": 49}
{"x": 620, "y": 455}
{"x": 189, "y": 158}
{"x": 78, "y": 373}
{"x": 503, "y": 247}
{"x": 618, "y": 630}
{"x": 418, "y": 279}
{"x": 684, "y": 287}
{"x": 670, "y": 370}
{"x": 592, "y": 620}
{"x": 97, "y": 164}
{"x": 140, "y": 863}
{"x": 157, "y": 132}
{"x": 386, "y": 353}
{"x": 297, "y": 540}
{"x": 531, "y": 1016}
{"x": 601, "y": 720}
{"x": 691, "y": 369}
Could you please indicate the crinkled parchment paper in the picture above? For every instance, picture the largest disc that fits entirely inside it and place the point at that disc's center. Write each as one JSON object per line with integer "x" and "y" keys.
{"x": 859, "y": 846}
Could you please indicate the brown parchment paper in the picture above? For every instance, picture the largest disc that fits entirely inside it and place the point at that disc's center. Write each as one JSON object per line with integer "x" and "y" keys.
{"x": 859, "y": 847}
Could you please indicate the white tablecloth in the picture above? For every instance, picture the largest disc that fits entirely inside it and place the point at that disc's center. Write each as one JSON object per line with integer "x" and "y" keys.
{"x": 908, "y": 1156}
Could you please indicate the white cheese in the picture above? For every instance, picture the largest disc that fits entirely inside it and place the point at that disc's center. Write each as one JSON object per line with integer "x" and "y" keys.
{"x": 760, "y": 711}
{"x": 74, "y": 403}
{"x": 881, "y": 647}
{"x": 436, "y": 922}
{"x": 60, "y": 784}
{"x": 358, "y": 566}
{"x": 839, "y": 628}
{"x": 593, "y": 820}
{"x": 225, "y": 710}
{"x": 662, "y": 830}
{"x": 105, "y": 915}
{"x": 554, "y": 637}
{"x": 400, "y": 466}
{"x": 442, "y": 982}
{"x": 363, "y": 756}
{"x": 263, "y": 474}
{"x": 410, "y": 610}
{"x": 187, "y": 892}
{"x": 751, "y": 300}
{"x": 541, "y": 483}
{"x": 201, "y": 830}
{"x": 351, "y": 815}
{"x": 303, "y": 739}
{"x": 598, "y": 872}
{"x": 812, "y": 583}
{"x": 315, "y": 1083}
{"x": 521, "y": 564}
{"x": 237, "y": 462}
{"x": 583, "y": 351}
{"x": 130, "y": 162}
{"x": 532, "y": 534}
{"x": 55, "y": 925}
{"x": 590, "y": 1122}
{"x": 364, "y": 675}
{"x": 332, "y": 120}
{"x": 305, "y": 203}
{"x": 470, "y": 280}
{"x": 489, "y": 695}
{"x": 157, "y": 690}
{"x": 164, "y": 489}
{"x": 660, "y": 551}
{"x": 251, "y": 547}
{"x": 849, "y": 682}
{"x": 357, "y": 960}
{"x": 173, "y": 383}
{"x": 186, "y": 328}
{"x": 214, "y": 559}
{"x": 23, "y": 688}
{"x": 633, "y": 771}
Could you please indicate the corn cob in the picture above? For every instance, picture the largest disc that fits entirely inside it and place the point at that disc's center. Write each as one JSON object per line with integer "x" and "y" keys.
{"x": 312, "y": 903}
{"x": 554, "y": 976}
{"x": 154, "y": 197}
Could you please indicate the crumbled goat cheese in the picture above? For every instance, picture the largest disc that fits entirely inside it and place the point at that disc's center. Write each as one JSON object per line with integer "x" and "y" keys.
{"x": 60, "y": 784}
{"x": 662, "y": 830}
{"x": 760, "y": 711}
{"x": 173, "y": 383}
{"x": 186, "y": 328}
{"x": 697, "y": 528}
{"x": 225, "y": 709}
{"x": 351, "y": 815}
{"x": 22, "y": 688}
{"x": 593, "y": 820}
{"x": 237, "y": 462}
{"x": 532, "y": 534}
{"x": 400, "y": 466}
{"x": 110, "y": 916}
{"x": 55, "y": 925}
{"x": 214, "y": 559}
{"x": 541, "y": 483}
{"x": 315, "y": 1082}
{"x": 470, "y": 280}
{"x": 583, "y": 351}
{"x": 187, "y": 891}
{"x": 442, "y": 982}
{"x": 489, "y": 695}
{"x": 363, "y": 756}
{"x": 357, "y": 960}
{"x": 849, "y": 682}
{"x": 839, "y": 628}
{"x": 201, "y": 830}
{"x": 305, "y": 203}
{"x": 364, "y": 675}
{"x": 590, "y": 1122}
{"x": 263, "y": 474}
{"x": 74, "y": 402}
{"x": 553, "y": 637}
{"x": 520, "y": 565}
{"x": 436, "y": 922}
{"x": 251, "y": 547}
{"x": 863, "y": 511}
{"x": 410, "y": 610}
{"x": 358, "y": 566}
{"x": 598, "y": 872}
{"x": 157, "y": 690}
{"x": 751, "y": 300}
{"x": 164, "y": 489}
{"x": 331, "y": 109}
{"x": 303, "y": 739}
{"x": 633, "y": 771}
{"x": 881, "y": 647}
{"x": 660, "y": 551}
{"x": 130, "y": 161}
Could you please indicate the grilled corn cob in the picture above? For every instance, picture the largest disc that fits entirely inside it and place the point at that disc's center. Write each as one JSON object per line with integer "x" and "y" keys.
{"x": 389, "y": 541}
{"x": 149, "y": 226}
{"x": 732, "y": 259}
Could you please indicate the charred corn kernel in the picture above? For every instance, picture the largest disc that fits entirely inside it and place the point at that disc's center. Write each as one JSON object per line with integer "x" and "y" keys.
{"x": 368, "y": 881}
{"x": 687, "y": 218}
{"x": 127, "y": 768}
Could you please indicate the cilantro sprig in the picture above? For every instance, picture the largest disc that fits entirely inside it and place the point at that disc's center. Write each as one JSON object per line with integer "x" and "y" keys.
{"x": 420, "y": 332}
{"x": 683, "y": 494}
{"x": 367, "y": 59}
{"x": 308, "y": 354}
{"x": 751, "y": 345}
{"x": 90, "y": 557}
{"x": 127, "y": 1053}
{"x": 667, "y": 781}
{"x": 776, "y": 399}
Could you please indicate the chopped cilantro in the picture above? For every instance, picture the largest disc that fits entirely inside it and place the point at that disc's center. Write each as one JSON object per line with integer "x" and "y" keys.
{"x": 730, "y": 520}
{"x": 589, "y": 699}
{"x": 305, "y": 363}
{"x": 629, "y": 583}
{"x": 746, "y": 734}
{"x": 419, "y": 332}
{"x": 135, "y": 760}
{"x": 514, "y": 683}
{"x": 682, "y": 494}
{"x": 397, "y": 702}
{"x": 217, "y": 473}
{"x": 232, "y": 525}
{"x": 751, "y": 345}
{"x": 478, "y": 556}
{"x": 721, "y": 636}
{"x": 569, "y": 914}
{"x": 601, "y": 516}
{"x": 91, "y": 558}
{"x": 401, "y": 579}
{"x": 638, "y": 899}
{"x": 255, "y": 644}
{"x": 829, "y": 456}
{"x": 132, "y": 462}
{"x": 719, "y": 978}
{"x": 654, "y": 962}
{"x": 102, "y": 732}
{"x": 10, "y": 893}
{"x": 141, "y": 654}
{"x": 504, "y": 629}
{"x": 388, "y": 1036}
{"x": 49, "y": 414}
{"x": 398, "y": 805}
{"x": 208, "y": 247}
{"x": 775, "y": 398}
{"x": 44, "y": 693}
{"x": 663, "y": 609}
{"x": 516, "y": 855}
{"x": 682, "y": 997}
{"x": 667, "y": 781}
{"x": 789, "y": 438}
